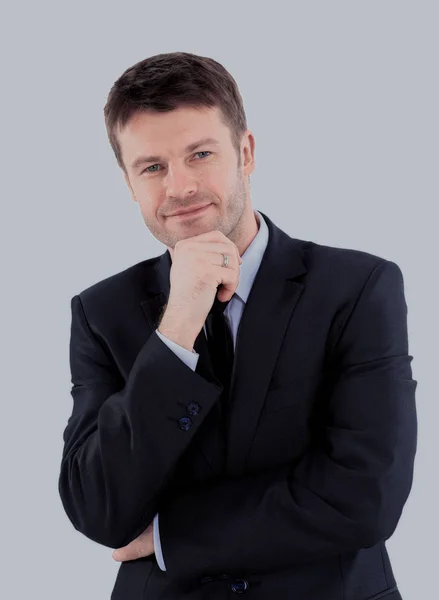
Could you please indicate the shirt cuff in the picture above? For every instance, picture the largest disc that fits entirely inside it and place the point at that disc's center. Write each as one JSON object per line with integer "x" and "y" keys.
{"x": 188, "y": 357}
{"x": 157, "y": 544}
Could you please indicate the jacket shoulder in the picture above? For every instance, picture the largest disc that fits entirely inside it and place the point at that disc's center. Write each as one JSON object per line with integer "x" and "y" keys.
{"x": 339, "y": 261}
{"x": 121, "y": 284}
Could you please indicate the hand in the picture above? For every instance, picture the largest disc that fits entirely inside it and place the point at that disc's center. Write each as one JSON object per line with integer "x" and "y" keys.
{"x": 143, "y": 545}
{"x": 196, "y": 273}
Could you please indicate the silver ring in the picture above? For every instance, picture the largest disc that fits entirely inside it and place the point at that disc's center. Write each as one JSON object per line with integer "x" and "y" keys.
{"x": 226, "y": 260}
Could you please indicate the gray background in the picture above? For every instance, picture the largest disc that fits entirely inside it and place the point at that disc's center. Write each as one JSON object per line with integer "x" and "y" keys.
{"x": 342, "y": 98}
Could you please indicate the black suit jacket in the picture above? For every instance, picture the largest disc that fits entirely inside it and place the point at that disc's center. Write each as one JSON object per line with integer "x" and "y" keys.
{"x": 298, "y": 500}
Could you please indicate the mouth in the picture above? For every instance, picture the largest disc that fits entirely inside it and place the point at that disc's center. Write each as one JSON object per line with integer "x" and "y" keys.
{"x": 191, "y": 213}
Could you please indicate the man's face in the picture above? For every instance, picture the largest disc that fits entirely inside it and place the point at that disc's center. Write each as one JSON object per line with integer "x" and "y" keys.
{"x": 176, "y": 177}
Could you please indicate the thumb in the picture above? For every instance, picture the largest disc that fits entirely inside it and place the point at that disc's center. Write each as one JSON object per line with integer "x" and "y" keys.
{"x": 117, "y": 554}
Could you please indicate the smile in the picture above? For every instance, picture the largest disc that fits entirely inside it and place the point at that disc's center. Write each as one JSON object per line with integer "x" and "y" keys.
{"x": 192, "y": 213}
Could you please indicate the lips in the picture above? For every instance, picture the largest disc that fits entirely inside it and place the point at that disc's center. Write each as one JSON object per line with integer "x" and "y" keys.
{"x": 190, "y": 209}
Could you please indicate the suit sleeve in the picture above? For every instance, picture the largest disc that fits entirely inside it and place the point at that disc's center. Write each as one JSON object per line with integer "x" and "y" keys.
{"x": 123, "y": 441}
{"x": 346, "y": 492}
{"x": 191, "y": 360}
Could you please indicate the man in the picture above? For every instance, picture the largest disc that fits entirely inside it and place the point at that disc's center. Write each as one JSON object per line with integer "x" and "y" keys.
{"x": 244, "y": 412}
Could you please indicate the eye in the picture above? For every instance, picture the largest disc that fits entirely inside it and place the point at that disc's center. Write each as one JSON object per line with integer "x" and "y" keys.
{"x": 147, "y": 170}
{"x": 201, "y": 152}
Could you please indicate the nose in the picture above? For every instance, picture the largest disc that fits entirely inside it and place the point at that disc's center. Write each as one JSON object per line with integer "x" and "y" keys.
{"x": 179, "y": 182}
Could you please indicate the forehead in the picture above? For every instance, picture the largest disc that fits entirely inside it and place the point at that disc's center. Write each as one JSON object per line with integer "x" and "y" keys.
{"x": 169, "y": 133}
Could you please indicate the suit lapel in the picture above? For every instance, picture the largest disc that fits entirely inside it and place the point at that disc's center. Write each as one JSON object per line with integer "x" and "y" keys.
{"x": 270, "y": 307}
{"x": 267, "y": 313}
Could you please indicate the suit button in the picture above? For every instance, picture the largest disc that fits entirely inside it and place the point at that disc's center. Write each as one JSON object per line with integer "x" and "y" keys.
{"x": 193, "y": 408}
{"x": 185, "y": 423}
{"x": 239, "y": 586}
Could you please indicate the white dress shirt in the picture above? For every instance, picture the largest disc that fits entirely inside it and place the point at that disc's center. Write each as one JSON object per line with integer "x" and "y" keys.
{"x": 251, "y": 260}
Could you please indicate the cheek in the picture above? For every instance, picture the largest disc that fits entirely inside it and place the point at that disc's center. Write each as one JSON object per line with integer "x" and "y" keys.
{"x": 148, "y": 205}
{"x": 217, "y": 179}
{"x": 150, "y": 195}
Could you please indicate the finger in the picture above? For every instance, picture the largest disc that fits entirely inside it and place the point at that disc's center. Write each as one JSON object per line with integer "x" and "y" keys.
{"x": 120, "y": 554}
{"x": 128, "y": 553}
{"x": 217, "y": 247}
{"x": 217, "y": 259}
{"x": 228, "y": 279}
{"x": 136, "y": 549}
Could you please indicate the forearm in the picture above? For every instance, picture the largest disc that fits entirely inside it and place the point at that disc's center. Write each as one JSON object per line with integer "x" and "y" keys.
{"x": 121, "y": 447}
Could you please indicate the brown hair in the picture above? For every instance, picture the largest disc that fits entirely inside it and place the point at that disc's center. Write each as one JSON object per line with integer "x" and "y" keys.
{"x": 167, "y": 81}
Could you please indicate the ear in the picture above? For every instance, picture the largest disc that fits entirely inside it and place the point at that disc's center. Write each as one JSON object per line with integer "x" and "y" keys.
{"x": 248, "y": 149}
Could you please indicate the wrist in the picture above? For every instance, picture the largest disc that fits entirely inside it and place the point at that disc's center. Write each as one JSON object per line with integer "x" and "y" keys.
{"x": 174, "y": 332}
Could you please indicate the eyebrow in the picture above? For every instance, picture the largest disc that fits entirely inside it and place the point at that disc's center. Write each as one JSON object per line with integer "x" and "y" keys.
{"x": 144, "y": 159}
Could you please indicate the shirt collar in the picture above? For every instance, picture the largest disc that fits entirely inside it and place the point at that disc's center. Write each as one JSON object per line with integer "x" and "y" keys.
{"x": 251, "y": 259}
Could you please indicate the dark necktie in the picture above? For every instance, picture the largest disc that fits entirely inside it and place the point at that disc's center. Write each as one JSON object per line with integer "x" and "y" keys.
{"x": 220, "y": 344}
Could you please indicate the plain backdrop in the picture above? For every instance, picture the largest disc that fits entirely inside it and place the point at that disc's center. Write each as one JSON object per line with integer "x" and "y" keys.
{"x": 342, "y": 98}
